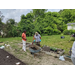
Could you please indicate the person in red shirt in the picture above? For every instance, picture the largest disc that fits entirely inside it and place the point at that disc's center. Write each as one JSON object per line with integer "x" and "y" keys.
{"x": 24, "y": 40}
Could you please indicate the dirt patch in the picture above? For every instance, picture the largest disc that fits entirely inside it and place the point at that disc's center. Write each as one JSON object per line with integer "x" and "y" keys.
{"x": 9, "y": 59}
{"x": 45, "y": 48}
{"x": 1, "y": 42}
{"x": 52, "y": 50}
{"x": 33, "y": 48}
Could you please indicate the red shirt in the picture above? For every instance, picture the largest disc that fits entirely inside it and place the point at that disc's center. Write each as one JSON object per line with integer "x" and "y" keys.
{"x": 24, "y": 36}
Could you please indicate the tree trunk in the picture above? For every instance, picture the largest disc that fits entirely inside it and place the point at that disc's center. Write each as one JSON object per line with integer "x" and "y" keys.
{"x": 2, "y": 36}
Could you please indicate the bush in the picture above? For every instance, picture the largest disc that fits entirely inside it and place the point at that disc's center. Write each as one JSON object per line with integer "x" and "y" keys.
{"x": 68, "y": 32}
{"x": 56, "y": 31}
{"x": 73, "y": 31}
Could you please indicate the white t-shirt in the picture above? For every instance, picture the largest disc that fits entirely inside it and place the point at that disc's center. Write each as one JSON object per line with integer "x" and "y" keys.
{"x": 37, "y": 37}
{"x": 73, "y": 50}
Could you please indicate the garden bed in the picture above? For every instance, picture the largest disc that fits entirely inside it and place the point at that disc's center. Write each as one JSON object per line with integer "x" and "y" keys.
{"x": 52, "y": 51}
{"x": 9, "y": 59}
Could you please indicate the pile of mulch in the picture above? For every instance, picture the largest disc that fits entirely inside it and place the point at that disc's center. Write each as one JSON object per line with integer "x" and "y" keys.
{"x": 11, "y": 60}
{"x": 33, "y": 47}
{"x": 45, "y": 48}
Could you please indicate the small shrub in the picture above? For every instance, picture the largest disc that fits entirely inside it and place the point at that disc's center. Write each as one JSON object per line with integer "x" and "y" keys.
{"x": 68, "y": 32}
{"x": 56, "y": 32}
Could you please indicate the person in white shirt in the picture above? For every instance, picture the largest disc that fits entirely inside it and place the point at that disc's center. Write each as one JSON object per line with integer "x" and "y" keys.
{"x": 73, "y": 53}
{"x": 37, "y": 37}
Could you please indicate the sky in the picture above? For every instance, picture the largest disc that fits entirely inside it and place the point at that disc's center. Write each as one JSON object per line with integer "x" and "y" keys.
{"x": 16, "y": 13}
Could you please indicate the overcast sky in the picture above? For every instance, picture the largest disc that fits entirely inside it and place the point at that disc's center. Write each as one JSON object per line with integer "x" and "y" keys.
{"x": 16, "y": 13}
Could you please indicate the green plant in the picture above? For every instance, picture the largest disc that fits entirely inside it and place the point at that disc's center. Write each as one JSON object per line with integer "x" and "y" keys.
{"x": 68, "y": 32}
{"x": 53, "y": 48}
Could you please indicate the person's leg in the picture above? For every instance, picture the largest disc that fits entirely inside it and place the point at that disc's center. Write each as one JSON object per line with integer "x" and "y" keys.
{"x": 73, "y": 60}
{"x": 24, "y": 45}
{"x": 38, "y": 43}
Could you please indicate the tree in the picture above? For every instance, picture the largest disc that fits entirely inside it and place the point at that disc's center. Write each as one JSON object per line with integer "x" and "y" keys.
{"x": 60, "y": 12}
{"x": 10, "y": 26}
{"x": 55, "y": 14}
{"x": 11, "y": 21}
{"x": 66, "y": 15}
{"x": 39, "y": 12}
{"x": 1, "y": 23}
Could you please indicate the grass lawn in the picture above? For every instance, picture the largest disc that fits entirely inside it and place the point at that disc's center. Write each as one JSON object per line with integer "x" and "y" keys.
{"x": 53, "y": 41}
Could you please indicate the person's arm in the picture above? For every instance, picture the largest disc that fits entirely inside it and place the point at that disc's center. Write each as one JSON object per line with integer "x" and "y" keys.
{"x": 24, "y": 38}
{"x": 40, "y": 36}
{"x": 33, "y": 39}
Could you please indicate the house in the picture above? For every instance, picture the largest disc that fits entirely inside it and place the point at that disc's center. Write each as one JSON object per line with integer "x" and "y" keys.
{"x": 70, "y": 26}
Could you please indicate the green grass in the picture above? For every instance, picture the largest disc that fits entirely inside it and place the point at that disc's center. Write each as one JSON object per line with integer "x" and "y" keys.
{"x": 53, "y": 41}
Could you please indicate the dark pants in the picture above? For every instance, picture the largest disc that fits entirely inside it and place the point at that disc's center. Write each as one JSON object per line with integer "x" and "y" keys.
{"x": 38, "y": 43}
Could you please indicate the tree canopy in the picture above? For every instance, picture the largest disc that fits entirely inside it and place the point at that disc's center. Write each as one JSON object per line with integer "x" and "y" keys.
{"x": 46, "y": 23}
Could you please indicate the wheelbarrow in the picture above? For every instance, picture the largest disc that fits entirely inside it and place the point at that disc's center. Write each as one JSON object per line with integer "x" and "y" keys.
{"x": 34, "y": 51}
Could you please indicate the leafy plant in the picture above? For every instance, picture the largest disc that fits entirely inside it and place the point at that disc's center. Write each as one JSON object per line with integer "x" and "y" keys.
{"x": 53, "y": 48}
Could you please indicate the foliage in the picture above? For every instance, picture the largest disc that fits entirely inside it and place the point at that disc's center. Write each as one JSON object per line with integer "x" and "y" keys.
{"x": 46, "y": 23}
{"x": 39, "y": 12}
{"x": 68, "y": 32}
{"x": 53, "y": 48}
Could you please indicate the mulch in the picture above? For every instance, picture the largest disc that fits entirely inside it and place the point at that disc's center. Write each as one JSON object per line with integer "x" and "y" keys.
{"x": 34, "y": 47}
{"x": 11, "y": 60}
{"x": 45, "y": 48}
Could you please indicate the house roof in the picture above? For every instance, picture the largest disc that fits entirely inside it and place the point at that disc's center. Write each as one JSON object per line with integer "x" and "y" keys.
{"x": 69, "y": 24}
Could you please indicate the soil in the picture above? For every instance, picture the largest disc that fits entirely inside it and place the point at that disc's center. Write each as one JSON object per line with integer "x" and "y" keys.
{"x": 8, "y": 59}
{"x": 45, "y": 48}
{"x": 33, "y": 48}
{"x": 1, "y": 42}
{"x": 60, "y": 50}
